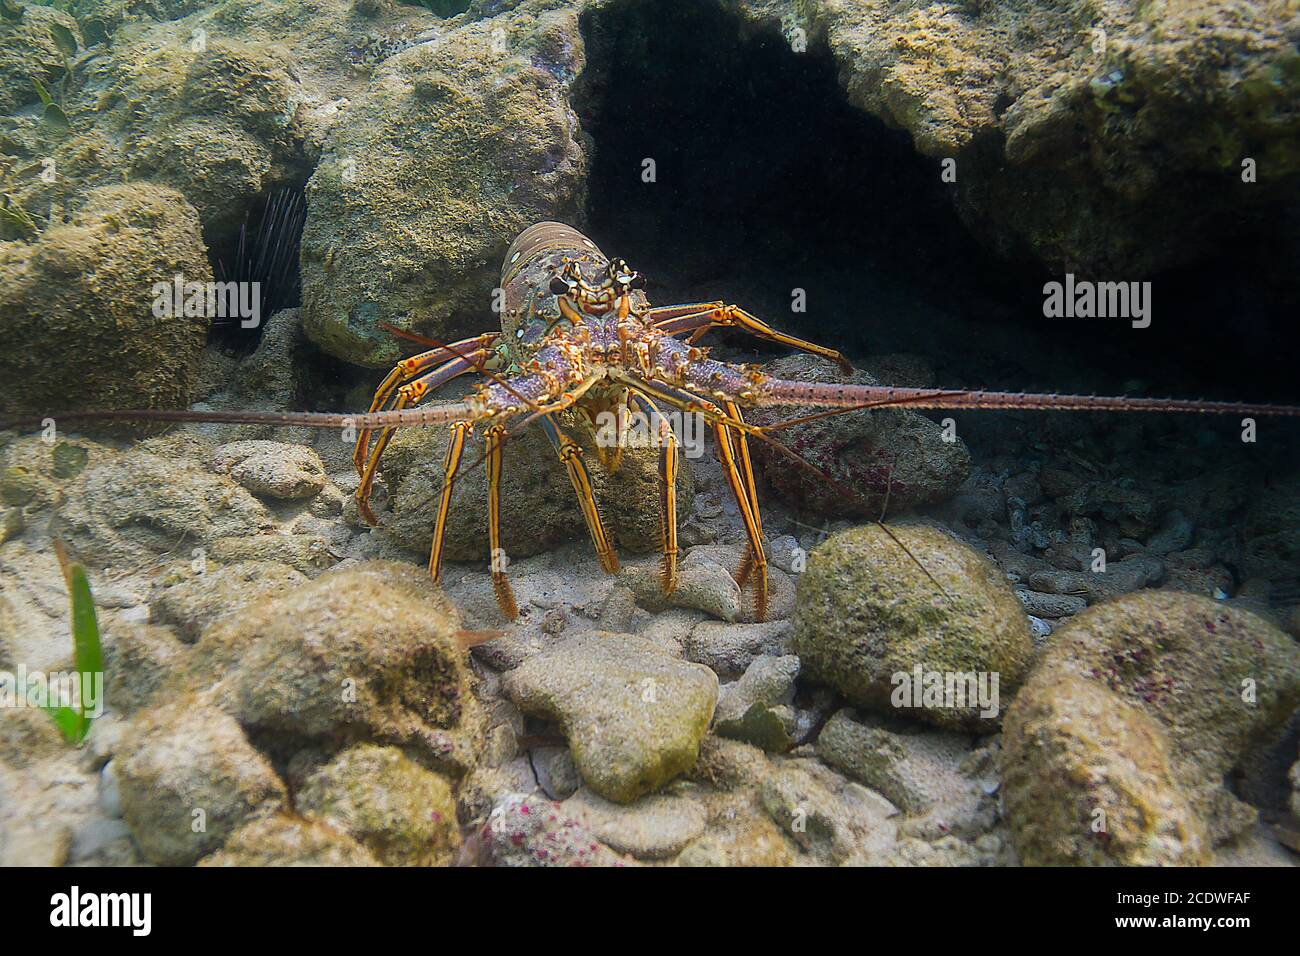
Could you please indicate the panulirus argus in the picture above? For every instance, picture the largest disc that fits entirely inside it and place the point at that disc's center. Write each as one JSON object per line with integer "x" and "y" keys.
{"x": 578, "y": 332}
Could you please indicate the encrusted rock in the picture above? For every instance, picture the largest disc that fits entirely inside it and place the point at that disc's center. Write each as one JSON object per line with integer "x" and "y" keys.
{"x": 282, "y": 840}
{"x": 867, "y": 613}
{"x": 271, "y": 469}
{"x": 403, "y": 813}
{"x": 873, "y": 455}
{"x": 633, "y": 715}
{"x": 188, "y": 779}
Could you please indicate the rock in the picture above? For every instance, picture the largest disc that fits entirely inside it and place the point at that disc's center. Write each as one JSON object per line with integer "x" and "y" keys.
{"x": 1294, "y": 778}
{"x": 138, "y": 505}
{"x": 913, "y": 771}
{"x": 527, "y": 831}
{"x": 867, "y": 614}
{"x": 28, "y": 735}
{"x": 366, "y": 652}
{"x": 138, "y": 661}
{"x": 90, "y": 281}
{"x": 871, "y": 454}
{"x": 539, "y": 508}
{"x": 1120, "y": 577}
{"x": 403, "y": 813}
{"x": 190, "y": 602}
{"x": 29, "y": 52}
{"x": 702, "y": 585}
{"x": 633, "y": 715}
{"x": 1040, "y": 604}
{"x": 282, "y": 840}
{"x": 653, "y": 828}
{"x": 1088, "y": 780}
{"x": 729, "y": 649}
{"x": 309, "y": 554}
{"x": 271, "y": 469}
{"x": 189, "y": 779}
{"x": 757, "y": 707}
{"x": 1214, "y": 679}
{"x": 1021, "y": 77}
{"x": 834, "y": 821}
{"x": 274, "y": 378}
{"x": 431, "y": 172}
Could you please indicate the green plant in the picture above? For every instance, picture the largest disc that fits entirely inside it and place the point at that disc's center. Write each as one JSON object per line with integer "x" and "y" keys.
{"x": 74, "y": 723}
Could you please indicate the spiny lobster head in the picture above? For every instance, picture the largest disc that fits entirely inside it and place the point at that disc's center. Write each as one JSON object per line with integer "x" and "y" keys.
{"x": 596, "y": 295}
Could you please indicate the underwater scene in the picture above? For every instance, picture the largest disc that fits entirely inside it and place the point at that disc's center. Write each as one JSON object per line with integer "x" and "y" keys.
{"x": 695, "y": 433}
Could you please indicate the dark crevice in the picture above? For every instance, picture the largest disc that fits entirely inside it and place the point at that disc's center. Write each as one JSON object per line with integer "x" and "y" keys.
{"x": 768, "y": 180}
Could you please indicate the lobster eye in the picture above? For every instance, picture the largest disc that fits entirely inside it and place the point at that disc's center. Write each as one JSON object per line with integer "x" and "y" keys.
{"x": 558, "y": 286}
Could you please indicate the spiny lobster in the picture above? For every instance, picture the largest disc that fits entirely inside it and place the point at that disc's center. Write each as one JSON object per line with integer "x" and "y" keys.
{"x": 579, "y": 332}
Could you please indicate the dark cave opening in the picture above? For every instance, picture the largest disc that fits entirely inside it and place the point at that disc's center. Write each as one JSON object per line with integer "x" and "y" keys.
{"x": 767, "y": 180}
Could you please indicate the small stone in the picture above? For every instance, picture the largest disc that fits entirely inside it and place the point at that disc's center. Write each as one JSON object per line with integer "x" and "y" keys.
{"x": 271, "y": 469}
{"x": 287, "y": 841}
{"x": 633, "y": 715}
{"x": 653, "y": 828}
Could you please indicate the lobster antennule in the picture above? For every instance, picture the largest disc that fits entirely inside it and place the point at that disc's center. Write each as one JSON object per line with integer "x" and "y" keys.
{"x": 771, "y": 391}
{"x": 406, "y": 417}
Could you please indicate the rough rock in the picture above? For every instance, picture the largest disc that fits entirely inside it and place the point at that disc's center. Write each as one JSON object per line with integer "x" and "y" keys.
{"x": 364, "y": 653}
{"x": 271, "y": 469}
{"x": 403, "y": 813}
{"x": 757, "y": 707}
{"x": 833, "y": 820}
{"x": 539, "y": 508}
{"x": 80, "y": 297}
{"x": 190, "y": 601}
{"x": 633, "y": 715}
{"x": 138, "y": 505}
{"x": 527, "y": 831}
{"x": 1088, "y": 780}
{"x": 1214, "y": 680}
{"x": 653, "y": 828}
{"x": 282, "y": 840}
{"x": 876, "y": 455}
{"x": 189, "y": 779}
{"x": 138, "y": 661}
{"x": 867, "y": 612}
{"x": 454, "y": 148}
{"x": 913, "y": 771}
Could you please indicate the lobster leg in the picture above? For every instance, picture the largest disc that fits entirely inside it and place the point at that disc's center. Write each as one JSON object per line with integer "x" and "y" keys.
{"x": 570, "y": 453}
{"x": 733, "y": 316}
{"x": 408, "y": 368}
{"x": 746, "y": 468}
{"x": 450, "y": 465}
{"x": 668, "y": 492}
{"x": 409, "y": 394}
{"x": 755, "y": 562}
{"x": 496, "y": 556}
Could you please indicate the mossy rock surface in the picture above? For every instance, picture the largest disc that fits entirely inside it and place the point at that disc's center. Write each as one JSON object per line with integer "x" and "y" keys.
{"x": 868, "y": 610}
{"x": 1088, "y": 780}
{"x": 79, "y": 325}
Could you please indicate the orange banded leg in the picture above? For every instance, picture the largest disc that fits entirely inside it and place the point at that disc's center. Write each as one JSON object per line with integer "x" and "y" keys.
{"x": 668, "y": 465}
{"x": 450, "y": 465}
{"x": 570, "y": 453}
{"x": 730, "y": 469}
{"x": 409, "y": 394}
{"x": 733, "y": 316}
{"x": 496, "y": 437}
{"x": 746, "y": 467}
{"x": 409, "y": 368}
